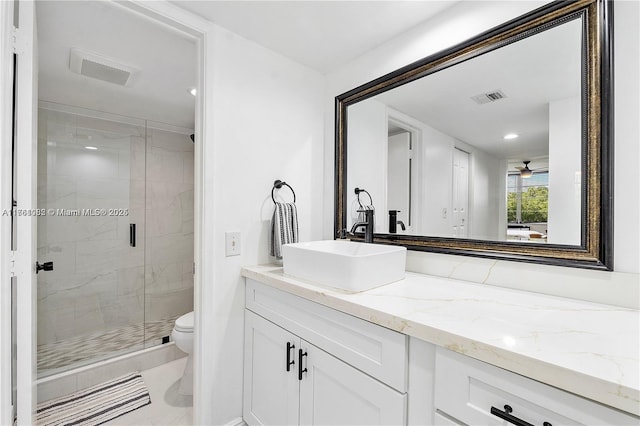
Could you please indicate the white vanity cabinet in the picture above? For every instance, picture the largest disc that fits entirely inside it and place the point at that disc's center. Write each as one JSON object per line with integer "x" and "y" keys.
{"x": 385, "y": 350}
{"x": 308, "y": 364}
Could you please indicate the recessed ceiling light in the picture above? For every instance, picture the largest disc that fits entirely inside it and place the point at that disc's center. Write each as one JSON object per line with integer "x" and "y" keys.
{"x": 510, "y": 136}
{"x": 193, "y": 91}
{"x": 91, "y": 147}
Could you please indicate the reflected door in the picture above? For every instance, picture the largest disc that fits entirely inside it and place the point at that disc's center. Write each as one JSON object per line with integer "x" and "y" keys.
{"x": 460, "y": 199}
{"x": 399, "y": 176}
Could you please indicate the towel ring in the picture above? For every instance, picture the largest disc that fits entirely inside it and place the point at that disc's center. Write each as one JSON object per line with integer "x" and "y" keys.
{"x": 358, "y": 191}
{"x": 279, "y": 184}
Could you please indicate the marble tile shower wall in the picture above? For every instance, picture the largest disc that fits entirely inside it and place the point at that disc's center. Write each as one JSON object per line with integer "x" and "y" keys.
{"x": 100, "y": 282}
{"x": 169, "y": 225}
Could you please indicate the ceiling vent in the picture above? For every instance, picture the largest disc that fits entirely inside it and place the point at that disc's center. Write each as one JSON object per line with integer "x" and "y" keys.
{"x": 101, "y": 68}
{"x": 485, "y": 98}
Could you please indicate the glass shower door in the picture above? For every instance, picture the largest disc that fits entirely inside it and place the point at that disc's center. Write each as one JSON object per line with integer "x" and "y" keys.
{"x": 91, "y": 188}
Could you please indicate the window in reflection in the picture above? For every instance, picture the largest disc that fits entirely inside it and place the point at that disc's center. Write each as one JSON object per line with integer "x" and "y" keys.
{"x": 528, "y": 206}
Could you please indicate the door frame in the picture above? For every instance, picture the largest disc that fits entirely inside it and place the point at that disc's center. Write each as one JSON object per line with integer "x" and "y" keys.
{"x": 19, "y": 141}
{"x": 6, "y": 114}
{"x": 202, "y": 31}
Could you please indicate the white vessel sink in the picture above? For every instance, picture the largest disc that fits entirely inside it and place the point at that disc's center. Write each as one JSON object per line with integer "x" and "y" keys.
{"x": 345, "y": 265}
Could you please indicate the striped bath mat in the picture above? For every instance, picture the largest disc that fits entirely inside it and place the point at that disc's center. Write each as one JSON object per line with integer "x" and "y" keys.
{"x": 97, "y": 404}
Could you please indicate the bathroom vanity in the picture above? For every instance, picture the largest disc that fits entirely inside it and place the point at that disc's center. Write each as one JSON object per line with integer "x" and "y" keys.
{"x": 428, "y": 350}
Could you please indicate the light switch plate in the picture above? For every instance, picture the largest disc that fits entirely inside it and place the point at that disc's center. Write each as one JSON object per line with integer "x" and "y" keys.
{"x": 232, "y": 243}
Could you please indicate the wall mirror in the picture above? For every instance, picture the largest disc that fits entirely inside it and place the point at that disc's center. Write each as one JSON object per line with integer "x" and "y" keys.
{"x": 498, "y": 147}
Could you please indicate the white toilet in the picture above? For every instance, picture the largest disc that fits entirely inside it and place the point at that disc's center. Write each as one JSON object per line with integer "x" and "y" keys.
{"x": 182, "y": 334}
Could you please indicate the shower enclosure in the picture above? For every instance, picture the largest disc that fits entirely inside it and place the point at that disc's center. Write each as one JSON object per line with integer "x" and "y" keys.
{"x": 115, "y": 201}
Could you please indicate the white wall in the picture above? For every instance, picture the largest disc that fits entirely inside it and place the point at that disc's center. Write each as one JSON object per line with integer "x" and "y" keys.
{"x": 436, "y": 165}
{"x": 565, "y": 182}
{"x": 265, "y": 124}
{"x": 627, "y": 133}
{"x": 460, "y": 22}
{"x": 367, "y": 159}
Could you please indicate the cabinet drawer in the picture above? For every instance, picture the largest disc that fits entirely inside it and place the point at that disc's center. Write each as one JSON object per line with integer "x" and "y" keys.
{"x": 467, "y": 389}
{"x": 441, "y": 419}
{"x": 375, "y": 350}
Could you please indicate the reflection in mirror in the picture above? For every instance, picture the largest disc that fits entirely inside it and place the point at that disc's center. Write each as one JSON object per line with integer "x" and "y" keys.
{"x": 487, "y": 149}
{"x": 505, "y": 143}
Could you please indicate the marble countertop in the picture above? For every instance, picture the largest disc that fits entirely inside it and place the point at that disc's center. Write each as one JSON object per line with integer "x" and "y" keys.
{"x": 585, "y": 348}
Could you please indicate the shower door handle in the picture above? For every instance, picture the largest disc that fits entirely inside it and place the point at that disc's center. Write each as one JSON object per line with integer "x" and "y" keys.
{"x": 132, "y": 234}
{"x": 46, "y": 266}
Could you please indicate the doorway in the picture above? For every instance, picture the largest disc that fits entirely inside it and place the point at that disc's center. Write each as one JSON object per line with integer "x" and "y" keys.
{"x": 22, "y": 268}
{"x": 403, "y": 187}
{"x": 116, "y": 186}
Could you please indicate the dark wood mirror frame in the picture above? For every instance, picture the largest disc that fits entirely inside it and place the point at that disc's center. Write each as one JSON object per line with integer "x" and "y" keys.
{"x": 596, "y": 248}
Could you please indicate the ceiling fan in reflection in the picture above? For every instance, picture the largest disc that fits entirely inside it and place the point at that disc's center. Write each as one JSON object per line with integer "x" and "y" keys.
{"x": 525, "y": 171}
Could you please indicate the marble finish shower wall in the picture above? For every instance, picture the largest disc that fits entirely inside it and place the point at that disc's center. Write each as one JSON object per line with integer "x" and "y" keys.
{"x": 98, "y": 280}
{"x": 169, "y": 219}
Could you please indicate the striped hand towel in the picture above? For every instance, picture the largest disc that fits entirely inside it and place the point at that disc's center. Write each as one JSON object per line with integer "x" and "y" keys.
{"x": 284, "y": 227}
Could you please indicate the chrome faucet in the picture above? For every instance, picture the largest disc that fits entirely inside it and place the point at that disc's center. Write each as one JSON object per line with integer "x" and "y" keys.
{"x": 368, "y": 224}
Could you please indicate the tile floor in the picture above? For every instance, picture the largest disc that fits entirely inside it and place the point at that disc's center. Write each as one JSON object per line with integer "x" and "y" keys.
{"x": 167, "y": 406}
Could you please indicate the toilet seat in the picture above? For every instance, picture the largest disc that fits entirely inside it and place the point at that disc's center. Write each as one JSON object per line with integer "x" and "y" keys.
{"x": 182, "y": 335}
{"x": 184, "y": 324}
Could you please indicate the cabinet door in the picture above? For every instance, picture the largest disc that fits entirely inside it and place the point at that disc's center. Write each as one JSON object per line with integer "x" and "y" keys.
{"x": 335, "y": 393}
{"x": 270, "y": 391}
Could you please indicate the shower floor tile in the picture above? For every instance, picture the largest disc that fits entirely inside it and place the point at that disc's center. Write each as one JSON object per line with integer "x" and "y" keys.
{"x": 99, "y": 346}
